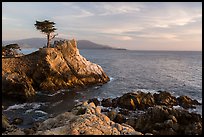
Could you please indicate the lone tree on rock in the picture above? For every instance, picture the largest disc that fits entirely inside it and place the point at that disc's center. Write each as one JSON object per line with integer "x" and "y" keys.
{"x": 47, "y": 27}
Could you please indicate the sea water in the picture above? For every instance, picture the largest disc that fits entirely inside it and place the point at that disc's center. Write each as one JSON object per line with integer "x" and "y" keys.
{"x": 178, "y": 72}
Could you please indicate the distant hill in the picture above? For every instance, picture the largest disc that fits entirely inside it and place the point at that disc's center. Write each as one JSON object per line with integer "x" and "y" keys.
{"x": 40, "y": 42}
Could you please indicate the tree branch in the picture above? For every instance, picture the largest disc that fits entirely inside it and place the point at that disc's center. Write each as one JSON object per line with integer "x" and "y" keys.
{"x": 52, "y": 37}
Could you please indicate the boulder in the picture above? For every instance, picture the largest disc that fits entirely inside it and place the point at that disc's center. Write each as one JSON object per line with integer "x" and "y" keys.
{"x": 187, "y": 102}
{"x": 92, "y": 122}
{"x": 17, "y": 85}
{"x": 136, "y": 100}
{"x": 49, "y": 69}
{"x": 17, "y": 121}
{"x": 86, "y": 118}
{"x": 106, "y": 102}
{"x": 161, "y": 120}
{"x": 112, "y": 114}
{"x": 165, "y": 98}
{"x": 5, "y": 123}
{"x": 95, "y": 101}
{"x": 154, "y": 114}
{"x": 141, "y": 101}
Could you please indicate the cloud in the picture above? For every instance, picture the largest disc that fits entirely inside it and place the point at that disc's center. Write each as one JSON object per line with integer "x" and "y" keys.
{"x": 178, "y": 20}
{"x": 173, "y": 17}
{"x": 118, "y": 8}
{"x": 112, "y": 21}
{"x": 83, "y": 13}
{"x": 125, "y": 38}
{"x": 158, "y": 36}
{"x": 122, "y": 38}
{"x": 121, "y": 29}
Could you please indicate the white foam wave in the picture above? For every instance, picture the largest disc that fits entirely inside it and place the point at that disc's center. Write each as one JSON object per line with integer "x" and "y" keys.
{"x": 58, "y": 92}
{"x": 28, "y": 111}
{"x": 16, "y": 106}
{"x": 56, "y": 103}
{"x": 146, "y": 90}
{"x": 199, "y": 100}
{"x": 111, "y": 79}
{"x": 41, "y": 112}
{"x": 25, "y": 105}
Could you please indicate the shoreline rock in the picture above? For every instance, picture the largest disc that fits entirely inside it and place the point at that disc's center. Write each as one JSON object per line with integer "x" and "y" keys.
{"x": 49, "y": 69}
{"x": 111, "y": 117}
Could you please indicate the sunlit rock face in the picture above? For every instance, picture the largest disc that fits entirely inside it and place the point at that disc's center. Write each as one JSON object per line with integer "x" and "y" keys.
{"x": 49, "y": 69}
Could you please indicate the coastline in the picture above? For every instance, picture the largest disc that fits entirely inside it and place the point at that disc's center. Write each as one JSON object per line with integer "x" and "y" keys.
{"x": 135, "y": 113}
{"x": 133, "y": 110}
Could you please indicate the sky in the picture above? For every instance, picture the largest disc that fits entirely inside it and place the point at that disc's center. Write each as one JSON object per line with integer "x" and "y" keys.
{"x": 129, "y": 25}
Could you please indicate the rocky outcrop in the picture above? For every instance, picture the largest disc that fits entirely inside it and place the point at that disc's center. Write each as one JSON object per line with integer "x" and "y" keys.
{"x": 109, "y": 117}
{"x": 5, "y": 123}
{"x": 155, "y": 113}
{"x": 84, "y": 119}
{"x": 187, "y": 102}
{"x": 49, "y": 69}
{"x": 137, "y": 100}
{"x": 162, "y": 120}
{"x": 140, "y": 101}
{"x": 9, "y": 128}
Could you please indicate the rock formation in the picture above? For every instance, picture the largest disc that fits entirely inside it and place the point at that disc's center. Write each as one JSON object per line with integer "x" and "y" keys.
{"x": 154, "y": 114}
{"x": 106, "y": 117}
{"x": 140, "y": 100}
{"x": 49, "y": 69}
{"x": 162, "y": 120}
{"x": 84, "y": 119}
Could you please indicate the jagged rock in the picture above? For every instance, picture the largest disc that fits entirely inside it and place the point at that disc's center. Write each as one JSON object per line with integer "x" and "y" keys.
{"x": 158, "y": 116}
{"x": 92, "y": 122}
{"x": 86, "y": 119}
{"x": 112, "y": 114}
{"x": 124, "y": 111}
{"x": 9, "y": 128}
{"x": 49, "y": 69}
{"x": 157, "y": 120}
{"x": 115, "y": 102}
{"x": 120, "y": 119}
{"x": 141, "y": 101}
{"x": 17, "y": 85}
{"x": 165, "y": 98}
{"x": 106, "y": 102}
{"x": 95, "y": 101}
{"x": 136, "y": 100}
{"x": 187, "y": 102}
{"x": 173, "y": 118}
{"x": 5, "y": 123}
{"x": 17, "y": 121}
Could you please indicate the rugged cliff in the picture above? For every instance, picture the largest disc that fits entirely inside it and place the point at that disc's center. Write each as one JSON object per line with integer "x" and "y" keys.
{"x": 49, "y": 69}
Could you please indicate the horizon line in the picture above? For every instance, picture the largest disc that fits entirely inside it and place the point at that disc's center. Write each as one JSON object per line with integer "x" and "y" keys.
{"x": 103, "y": 44}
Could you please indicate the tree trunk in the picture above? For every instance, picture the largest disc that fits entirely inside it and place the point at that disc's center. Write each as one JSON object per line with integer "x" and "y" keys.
{"x": 48, "y": 40}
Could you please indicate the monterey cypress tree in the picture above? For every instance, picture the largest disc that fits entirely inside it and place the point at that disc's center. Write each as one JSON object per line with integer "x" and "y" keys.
{"x": 47, "y": 27}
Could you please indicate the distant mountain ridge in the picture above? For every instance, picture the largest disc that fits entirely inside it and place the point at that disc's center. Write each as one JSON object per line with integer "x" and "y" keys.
{"x": 40, "y": 42}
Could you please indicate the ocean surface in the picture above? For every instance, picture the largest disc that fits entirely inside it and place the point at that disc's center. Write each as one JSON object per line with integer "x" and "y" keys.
{"x": 178, "y": 72}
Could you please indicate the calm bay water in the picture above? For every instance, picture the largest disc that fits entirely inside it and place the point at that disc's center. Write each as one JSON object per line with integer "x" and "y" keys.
{"x": 179, "y": 72}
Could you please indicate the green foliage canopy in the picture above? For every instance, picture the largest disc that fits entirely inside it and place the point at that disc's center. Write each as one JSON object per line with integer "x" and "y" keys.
{"x": 45, "y": 26}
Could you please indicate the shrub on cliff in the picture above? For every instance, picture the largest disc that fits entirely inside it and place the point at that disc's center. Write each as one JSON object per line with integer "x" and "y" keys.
{"x": 11, "y": 50}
